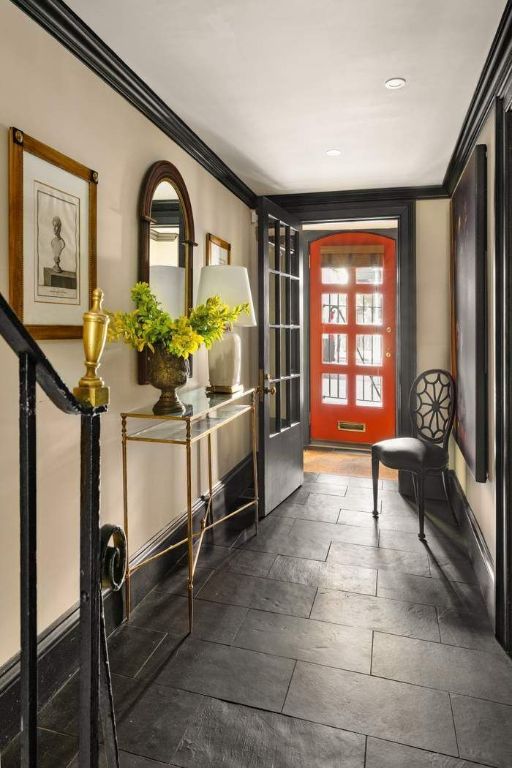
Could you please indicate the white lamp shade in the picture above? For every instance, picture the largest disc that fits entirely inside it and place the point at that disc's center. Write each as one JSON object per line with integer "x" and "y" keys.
{"x": 231, "y": 284}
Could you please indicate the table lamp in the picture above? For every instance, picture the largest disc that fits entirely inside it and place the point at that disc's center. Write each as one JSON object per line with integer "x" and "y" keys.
{"x": 231, "y": 284}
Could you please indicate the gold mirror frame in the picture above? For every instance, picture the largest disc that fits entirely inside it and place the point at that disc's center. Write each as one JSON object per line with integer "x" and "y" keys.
{"x": 158, "y": 172}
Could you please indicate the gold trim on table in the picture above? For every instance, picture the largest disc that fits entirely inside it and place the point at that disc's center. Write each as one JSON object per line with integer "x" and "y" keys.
{"x": 204, "y": 414}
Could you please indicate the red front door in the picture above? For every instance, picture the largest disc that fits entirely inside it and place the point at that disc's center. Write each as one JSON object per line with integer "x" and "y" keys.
{"x": 352, "y": 338}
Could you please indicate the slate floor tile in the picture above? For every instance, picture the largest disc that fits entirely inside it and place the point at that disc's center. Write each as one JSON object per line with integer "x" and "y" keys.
{"x": 452, "y": 568}
{"x": 363, "y": 482}
{"x": 373, "y": 557}
{"x": 214, "y": 555}
{"x": 440, "y": 544}
{"x": 391, "y": 521}
{"x": 288, "y": 541}
{"x": 377, "y": 613}
{"x": 387, "y": 754}
{"x": 54, "y": 750}
{"x": 256, "y": 592}
{"x": 176, "y": 582}
{"x": 61, "y": 712}
{"x": 360, "y": 499}
{"x": 327, "y": 478}
{"x": 315, "y": 641}
{"x": 484, "y": 730}
{"x": 231, "y": 736}
{"x": 329, "y": 495}
{"x": 157, "y": 722}
{"x": 417, "y": 589}
{"x": 229, "y": 673}
{"x": 445, "y": 667}
{"x": 331, "y": 575}
{"x": 251, "y": 563}
{"x": 352, "y": 534}
{"x": 396, "y": 711}
{"x": 130, "y": 647}
{"x": 308, "y": 512}
{"x": 169, "y": 613}
{"x": 470, "y": 630}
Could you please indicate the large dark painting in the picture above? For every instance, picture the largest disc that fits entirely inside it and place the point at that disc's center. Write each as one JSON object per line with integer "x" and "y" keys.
{"x": 469, "y": 312}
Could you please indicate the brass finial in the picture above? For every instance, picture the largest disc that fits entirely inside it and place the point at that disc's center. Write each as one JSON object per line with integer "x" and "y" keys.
{"x": 91, "y": 388}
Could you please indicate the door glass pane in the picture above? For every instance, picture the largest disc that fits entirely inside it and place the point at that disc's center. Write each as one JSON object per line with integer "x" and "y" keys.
{"x": 295, "y": 400}
{"x": 282, "y": 248}
{"x": 294, "y": 302}
{"x": 335, "y": 276}
{"x": 369, "y": 275}
{"x": 334, "y": 308}
{"x": 273, "y": 333}
{"x": 369, "y": 391}
{"x": 294, "y": 252}
{"x": 369, "y": 308}
{"x": 285, "y": 301}
{"x": 273, "y": 298}
{"x": 285, "y": 413}
{"x": 369, "y": 349}
{"x": 334, "y": 388}
{"x": 273, "y": 252}
{"x": 285, "y": 342}
{"x": 334, "y": 348}
{"x": 295, "y": 351}
{"x": 273, "y": 408}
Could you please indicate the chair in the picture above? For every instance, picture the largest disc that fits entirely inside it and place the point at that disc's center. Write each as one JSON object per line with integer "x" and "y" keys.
{"x": 432, "y": 409}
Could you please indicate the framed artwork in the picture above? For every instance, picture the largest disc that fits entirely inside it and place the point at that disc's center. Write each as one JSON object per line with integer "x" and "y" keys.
{"x": 52, "y": 238}
{"x": 218, "y": 252}
{"x": 469, "y": 319}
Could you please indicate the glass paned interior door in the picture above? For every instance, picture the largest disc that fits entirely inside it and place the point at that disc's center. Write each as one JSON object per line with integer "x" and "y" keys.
{"x": 284, "y": 328}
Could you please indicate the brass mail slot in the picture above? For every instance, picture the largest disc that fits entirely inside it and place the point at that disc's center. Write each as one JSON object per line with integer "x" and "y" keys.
{"x": 351, "y": 426}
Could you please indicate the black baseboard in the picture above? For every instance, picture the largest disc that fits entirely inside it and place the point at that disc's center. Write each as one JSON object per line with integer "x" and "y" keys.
{"x": 477, "y": 548}
{"x": 58, "y": 649}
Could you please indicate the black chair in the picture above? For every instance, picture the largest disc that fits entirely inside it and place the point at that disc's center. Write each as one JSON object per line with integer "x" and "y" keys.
{"x": 432, "y": 408}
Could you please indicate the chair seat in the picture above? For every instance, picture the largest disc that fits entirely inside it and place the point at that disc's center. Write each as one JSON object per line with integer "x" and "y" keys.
{"x": 412, "y": 454}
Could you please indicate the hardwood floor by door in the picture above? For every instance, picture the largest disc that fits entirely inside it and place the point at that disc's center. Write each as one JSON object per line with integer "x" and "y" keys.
{"x": 339, "y": 462}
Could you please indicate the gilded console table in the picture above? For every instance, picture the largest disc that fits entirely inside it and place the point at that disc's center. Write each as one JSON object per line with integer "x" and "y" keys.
{"x": 204, "y": 414}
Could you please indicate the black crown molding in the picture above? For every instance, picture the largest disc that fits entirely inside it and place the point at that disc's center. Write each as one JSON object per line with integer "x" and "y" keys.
{"x": 63, "y": 24}
{"x": 309, "y": 204}
{"x": 496, "y": 72}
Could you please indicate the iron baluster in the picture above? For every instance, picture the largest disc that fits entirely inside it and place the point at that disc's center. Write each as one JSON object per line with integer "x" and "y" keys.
{"x": 28, "y": 557}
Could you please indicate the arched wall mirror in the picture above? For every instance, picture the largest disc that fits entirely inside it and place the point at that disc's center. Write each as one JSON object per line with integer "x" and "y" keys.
{"x": 166, "y": 242}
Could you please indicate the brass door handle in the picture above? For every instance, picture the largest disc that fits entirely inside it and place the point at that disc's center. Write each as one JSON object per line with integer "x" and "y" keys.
{"x": 388, "y": 354}
{"x": 269, "y": 390}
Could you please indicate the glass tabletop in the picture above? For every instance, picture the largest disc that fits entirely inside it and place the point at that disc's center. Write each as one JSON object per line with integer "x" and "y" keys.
{"x": 198, "y": 402}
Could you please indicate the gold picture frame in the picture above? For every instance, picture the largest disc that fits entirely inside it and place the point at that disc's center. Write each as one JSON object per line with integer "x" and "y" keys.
{"x": 52, "y": 238}
{"x": 218, "y": 251}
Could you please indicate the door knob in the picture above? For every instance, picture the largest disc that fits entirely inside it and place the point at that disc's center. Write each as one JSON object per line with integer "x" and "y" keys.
{"x": 269, "y": 390}
{"x": 388, "y": 354}
{"x": 264, "y": 388}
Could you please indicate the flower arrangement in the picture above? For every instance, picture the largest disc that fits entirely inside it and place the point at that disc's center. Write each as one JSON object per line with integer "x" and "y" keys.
{"x": 148, "y": 325}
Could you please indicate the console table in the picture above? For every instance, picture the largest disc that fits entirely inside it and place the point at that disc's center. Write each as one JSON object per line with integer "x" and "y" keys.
{"x": 204, "y": 414}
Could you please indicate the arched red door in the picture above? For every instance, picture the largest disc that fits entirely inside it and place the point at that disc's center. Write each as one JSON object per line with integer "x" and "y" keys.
{"x": 352, "y": 337}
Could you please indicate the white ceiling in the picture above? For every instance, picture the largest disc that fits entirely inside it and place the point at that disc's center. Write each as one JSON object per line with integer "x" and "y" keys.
{"x": 270, "y": 85}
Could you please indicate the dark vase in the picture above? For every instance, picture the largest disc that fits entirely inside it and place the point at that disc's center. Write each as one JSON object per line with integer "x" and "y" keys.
{"x": 167, "y": 372}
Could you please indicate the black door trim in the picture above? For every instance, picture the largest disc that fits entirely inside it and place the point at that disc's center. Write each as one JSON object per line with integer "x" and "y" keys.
{"x": 405, "y": 213}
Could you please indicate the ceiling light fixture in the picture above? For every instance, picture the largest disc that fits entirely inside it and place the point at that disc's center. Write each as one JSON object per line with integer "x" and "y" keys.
{"x": 394, "y": 83}
{"x": 333, "y": 152}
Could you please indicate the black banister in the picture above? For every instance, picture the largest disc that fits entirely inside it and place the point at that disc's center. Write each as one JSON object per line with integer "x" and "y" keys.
{"x": 34, "y": 368}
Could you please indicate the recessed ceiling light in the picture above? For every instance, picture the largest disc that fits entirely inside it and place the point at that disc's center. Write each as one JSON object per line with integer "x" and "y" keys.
{"x": 333, "y": 152}
{"x": 394, "y": 83}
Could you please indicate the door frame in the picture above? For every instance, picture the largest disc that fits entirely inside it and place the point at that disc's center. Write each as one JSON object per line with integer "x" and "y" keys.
{"x": 404, "y": 211}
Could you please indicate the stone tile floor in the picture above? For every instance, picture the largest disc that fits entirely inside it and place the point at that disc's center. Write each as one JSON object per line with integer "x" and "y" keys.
{"x": 328, "y": 641}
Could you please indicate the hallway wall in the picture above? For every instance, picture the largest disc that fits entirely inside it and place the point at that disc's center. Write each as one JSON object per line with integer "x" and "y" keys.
{"x": 482, "y": 496}
{"x": 50, "y": 95}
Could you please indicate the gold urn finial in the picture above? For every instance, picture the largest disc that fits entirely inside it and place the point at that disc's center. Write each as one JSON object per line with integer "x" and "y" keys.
{"x": 91, "y": 388}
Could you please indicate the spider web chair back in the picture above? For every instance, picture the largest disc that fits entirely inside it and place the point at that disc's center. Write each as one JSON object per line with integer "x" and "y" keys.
{"x": 432, "y": 405}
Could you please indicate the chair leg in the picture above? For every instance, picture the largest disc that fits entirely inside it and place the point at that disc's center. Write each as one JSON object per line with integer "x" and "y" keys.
{"x": 375, "y": 479}
{"x": 420, "y": 485}
{"x": 445, "y": 485}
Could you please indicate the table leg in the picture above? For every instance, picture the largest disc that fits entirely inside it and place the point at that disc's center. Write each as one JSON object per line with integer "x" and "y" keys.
{"x": 190, "y": 534}
{"x": 127, "y": 592}
{"x": 254, "y": 461}
{"x": 210, "y": 476}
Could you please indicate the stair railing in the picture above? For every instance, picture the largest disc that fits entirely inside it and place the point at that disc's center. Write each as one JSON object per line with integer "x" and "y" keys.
{"x": 89, "y": 402}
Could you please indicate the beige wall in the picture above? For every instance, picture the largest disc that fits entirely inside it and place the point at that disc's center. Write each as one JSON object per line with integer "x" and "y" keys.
{"x": 50, "y": 95}
{"x": 433, "y": 283}
{"x": 482, "y": 496}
